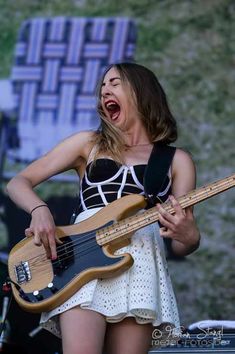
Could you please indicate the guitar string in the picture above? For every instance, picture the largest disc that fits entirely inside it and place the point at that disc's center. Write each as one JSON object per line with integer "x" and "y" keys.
{"x": 66, "y": 255}
{"x": 90, "y": 236}
{"x": 84, "y": 238}
{"x": 87, "y": 238}
{"x": 72, "y": 245}
{"x": 83, "y": 252}
{"x": 80, "y": 254}
{"x": 63, "y": 250}
{"x": 167, "y": 204}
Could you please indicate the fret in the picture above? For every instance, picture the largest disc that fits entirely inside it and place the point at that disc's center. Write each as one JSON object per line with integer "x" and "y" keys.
{"x": 122, "y": 228}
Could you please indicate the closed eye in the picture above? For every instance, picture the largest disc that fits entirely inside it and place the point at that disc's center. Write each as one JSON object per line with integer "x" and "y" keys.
{"x": 115, "y": 81}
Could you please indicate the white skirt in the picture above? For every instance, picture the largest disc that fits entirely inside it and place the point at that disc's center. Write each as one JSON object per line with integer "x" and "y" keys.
{"x": 144, "y": 291}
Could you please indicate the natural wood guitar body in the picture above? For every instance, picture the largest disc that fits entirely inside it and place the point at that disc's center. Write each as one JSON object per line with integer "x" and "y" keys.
{"x": 100, "y": 262}
{"x": 87, "y": 252}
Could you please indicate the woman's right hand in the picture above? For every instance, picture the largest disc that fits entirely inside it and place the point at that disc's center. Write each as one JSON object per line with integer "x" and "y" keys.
{"x": 42, "y": 229}
{"x": 71, "y": 153}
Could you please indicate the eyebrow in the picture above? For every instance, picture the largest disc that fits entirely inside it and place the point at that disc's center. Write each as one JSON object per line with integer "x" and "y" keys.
{"x": 112, "y": 79}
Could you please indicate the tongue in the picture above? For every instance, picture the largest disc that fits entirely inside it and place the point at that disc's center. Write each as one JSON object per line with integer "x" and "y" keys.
{"x": 114, "y": 114}
{"x": 114, "y": 111}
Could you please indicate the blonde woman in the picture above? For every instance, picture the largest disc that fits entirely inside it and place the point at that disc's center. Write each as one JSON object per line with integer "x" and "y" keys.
{"x": 118, "y": 314}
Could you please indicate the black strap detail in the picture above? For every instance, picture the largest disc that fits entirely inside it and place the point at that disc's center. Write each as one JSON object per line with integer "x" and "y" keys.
{"x": 156, "y": 171}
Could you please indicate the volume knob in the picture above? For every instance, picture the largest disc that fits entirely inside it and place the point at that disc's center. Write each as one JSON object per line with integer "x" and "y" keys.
{"x": 37, "y": 295}
{"x": 52, "y": 288}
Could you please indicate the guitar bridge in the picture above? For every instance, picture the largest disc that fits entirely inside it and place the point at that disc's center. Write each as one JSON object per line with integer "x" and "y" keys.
{"x": 22, "y": 272}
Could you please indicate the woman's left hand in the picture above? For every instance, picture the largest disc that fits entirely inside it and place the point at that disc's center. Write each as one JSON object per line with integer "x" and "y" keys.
{"x": 180, "y": 226}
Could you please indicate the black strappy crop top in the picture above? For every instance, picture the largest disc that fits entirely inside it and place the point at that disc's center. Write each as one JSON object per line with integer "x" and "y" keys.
{"x": 107, "y": 180}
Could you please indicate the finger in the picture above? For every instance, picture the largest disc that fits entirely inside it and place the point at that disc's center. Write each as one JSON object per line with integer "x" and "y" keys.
{"x": 162, "y": 229}
{"x": 29, "y": 232}
{"x": 164, "y": 222}
{"x": 163, "y": 214}
{"x": 58, "y": 241}
{"x": 46, "y": 245}
{"x": 37, "y": 240}
{"x": 164, "y": 232}
{"x": 52, "y": 246}
{"x": 41, "y": 239}
{"x": 176, "y": 205}
{"x": 53, "y": 240}
{"x": 189, "y": 212}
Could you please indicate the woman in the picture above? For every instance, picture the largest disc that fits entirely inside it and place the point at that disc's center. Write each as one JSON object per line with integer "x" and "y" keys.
{"x": 121, "y": 311}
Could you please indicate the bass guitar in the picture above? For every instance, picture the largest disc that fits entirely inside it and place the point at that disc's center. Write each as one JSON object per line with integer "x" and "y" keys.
{"x": 40, "y": 284}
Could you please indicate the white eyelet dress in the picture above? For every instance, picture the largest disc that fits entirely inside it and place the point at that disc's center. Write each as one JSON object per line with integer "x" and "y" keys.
{"x": 144, "y": 291}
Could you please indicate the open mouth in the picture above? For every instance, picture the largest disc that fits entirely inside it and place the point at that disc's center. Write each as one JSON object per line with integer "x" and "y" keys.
{"x": 113, "y": 109}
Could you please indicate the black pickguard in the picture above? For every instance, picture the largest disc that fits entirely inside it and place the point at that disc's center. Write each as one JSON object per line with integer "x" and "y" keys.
{"x": 73, "y": 258}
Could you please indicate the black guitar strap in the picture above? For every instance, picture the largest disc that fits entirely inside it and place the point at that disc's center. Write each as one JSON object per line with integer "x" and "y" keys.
{"x": 155, "y": 173}
{"x": 157, "y": 169}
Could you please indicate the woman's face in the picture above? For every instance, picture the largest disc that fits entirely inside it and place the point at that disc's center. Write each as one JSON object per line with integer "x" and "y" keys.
{"x": 118, "y": 101}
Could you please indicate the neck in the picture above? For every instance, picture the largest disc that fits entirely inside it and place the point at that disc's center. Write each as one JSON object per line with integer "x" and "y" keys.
{"x": 137, "y": 136}
{"x": 121, "y": 229}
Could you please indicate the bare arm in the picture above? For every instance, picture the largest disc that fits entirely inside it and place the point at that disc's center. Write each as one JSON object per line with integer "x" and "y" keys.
{"x": 181, "y": 227}
{"x": 69, "y": 154}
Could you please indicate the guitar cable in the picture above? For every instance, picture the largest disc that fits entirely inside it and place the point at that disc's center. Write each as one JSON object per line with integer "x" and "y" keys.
{"x": 6, "y": 288}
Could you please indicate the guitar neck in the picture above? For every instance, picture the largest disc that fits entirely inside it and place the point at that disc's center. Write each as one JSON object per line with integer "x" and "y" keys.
{"x": 122, "y": 228}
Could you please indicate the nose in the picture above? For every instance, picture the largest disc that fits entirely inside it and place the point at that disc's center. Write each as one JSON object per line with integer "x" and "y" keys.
{"x": 105, "y": 91}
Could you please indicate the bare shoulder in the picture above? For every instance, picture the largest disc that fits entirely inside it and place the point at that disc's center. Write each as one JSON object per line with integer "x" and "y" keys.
{"x": 182, "y": 159}
{"x": 183, "y": 172}
{"x": 87, "y": 137}
{"x": 78, "y": 144}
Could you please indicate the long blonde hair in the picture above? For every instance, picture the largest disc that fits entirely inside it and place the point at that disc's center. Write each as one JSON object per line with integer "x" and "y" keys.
{"x": 151, "y": 104}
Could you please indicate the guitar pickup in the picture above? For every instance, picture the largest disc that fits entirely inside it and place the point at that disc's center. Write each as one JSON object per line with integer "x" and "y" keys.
{"x": 22, "y": 272}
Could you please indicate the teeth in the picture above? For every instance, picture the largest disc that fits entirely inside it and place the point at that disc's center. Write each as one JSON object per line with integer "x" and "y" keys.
{"x": 110, "y": 103}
